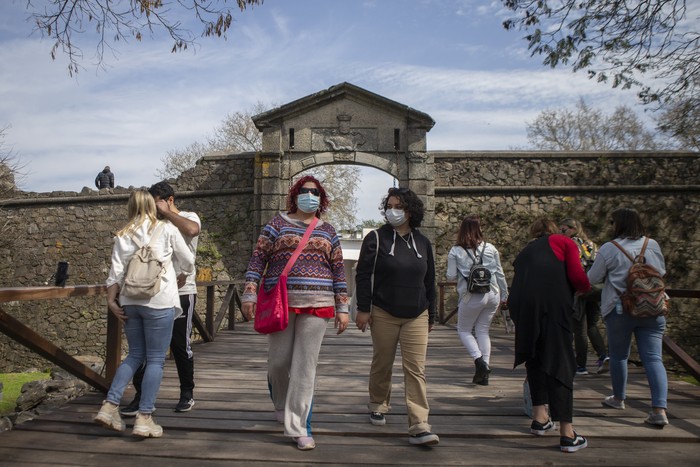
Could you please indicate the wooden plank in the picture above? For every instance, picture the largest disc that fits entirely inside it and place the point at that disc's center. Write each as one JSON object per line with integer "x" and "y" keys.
{"x": 233, "y": 422}
{"x": 9, "y": 294}
{"x": 682, "y": 357}
{"x": 45, "y": 348}
{"x": 225, "y": 304}
{"x": 201, "y": 328}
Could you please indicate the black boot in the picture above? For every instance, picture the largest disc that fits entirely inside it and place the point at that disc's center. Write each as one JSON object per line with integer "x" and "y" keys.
{"x": 481, "y": 376}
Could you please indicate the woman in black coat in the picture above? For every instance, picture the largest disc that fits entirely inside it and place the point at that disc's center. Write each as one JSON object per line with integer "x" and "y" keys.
{"x": 547, "y": 272}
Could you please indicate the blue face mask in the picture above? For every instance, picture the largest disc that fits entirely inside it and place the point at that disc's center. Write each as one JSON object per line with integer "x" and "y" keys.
{"x": 308, "y": 202}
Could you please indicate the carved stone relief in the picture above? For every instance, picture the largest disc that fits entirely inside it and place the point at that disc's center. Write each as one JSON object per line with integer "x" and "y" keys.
{"x": 344, "y": 138}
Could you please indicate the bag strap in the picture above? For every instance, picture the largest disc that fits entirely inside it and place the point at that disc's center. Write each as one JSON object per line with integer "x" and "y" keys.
{"x": 481, "y": 256}
{"x": 476, "y": 256}
{"x": 640, "y": 257}
{"x": 376, "y": 254}
{"x": 302, "y": 244}
{"x": 156, "y": 231}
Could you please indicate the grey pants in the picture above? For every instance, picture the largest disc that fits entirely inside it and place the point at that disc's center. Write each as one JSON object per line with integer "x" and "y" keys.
{"x": 291, "y": 370}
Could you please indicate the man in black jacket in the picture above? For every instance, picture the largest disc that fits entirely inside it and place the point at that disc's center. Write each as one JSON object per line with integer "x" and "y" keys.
{"x": 105, "y": 179}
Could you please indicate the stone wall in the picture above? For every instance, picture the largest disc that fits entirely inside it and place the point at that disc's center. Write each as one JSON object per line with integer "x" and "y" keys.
{"x": 510, "y": 190}
{"x": 507, "y": 189}
{"x": 78, "y": 228}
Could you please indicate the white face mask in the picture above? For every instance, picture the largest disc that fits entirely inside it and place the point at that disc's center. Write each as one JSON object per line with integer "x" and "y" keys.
{"x": 396, "y": 217}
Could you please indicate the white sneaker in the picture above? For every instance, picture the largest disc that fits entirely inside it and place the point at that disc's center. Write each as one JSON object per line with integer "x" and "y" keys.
{"x": 610, "y": 401}
{"x": 424, "y": 439}
{"x": 305, "y": 443}
{"x": 108, "y": 417}
{"x": 658, "y": 419}
{"x": 146, "y": 427}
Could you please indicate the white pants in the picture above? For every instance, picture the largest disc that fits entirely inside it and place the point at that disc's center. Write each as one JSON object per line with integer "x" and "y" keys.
{"x": 476, "y": 312}
{"x": 291, "y": 370}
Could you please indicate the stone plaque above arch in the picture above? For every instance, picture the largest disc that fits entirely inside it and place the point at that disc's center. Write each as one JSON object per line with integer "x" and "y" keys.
{"x": 344, "y": 124}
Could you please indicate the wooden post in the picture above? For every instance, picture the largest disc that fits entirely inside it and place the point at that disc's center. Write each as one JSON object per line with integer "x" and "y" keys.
{"x": 113, "y": 355}
{"x": 38, "y": 344}
{"x": 210, "y": 310}
{"x": 441, "y": 305}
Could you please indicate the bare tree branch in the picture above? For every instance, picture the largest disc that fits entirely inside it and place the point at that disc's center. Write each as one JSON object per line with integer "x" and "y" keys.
{"x": 237, "y": 133}
{"x": 588, "y": 129}
{"x": 10, "y": 170}
{"x": 114, "y": 21}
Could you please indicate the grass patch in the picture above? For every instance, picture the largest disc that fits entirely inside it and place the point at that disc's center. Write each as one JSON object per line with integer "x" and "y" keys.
{"x": 12, "y": 388}
{"x": 691, "y": 380}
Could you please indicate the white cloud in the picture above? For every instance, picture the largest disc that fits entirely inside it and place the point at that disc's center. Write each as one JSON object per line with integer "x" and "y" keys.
{"x": 149, "y": 101}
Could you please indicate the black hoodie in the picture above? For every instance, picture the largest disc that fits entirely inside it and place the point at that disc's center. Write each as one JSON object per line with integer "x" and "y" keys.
{"x": 404, "y": 283}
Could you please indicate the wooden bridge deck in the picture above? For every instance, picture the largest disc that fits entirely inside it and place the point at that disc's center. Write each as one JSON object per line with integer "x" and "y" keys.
{"x": 233, "y": 423}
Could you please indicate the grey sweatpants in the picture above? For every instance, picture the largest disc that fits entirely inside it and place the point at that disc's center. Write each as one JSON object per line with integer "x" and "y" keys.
{"x": 291, "y": 370}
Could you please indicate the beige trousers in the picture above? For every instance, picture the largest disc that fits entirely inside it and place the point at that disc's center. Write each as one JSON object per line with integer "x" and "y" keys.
{"x": 412, "y": 334}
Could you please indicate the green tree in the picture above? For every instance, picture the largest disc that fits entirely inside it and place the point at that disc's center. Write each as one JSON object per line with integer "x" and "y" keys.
{"x": 625, "y": 42}
{"x": 237, "y": 133}
{"x": 587, "y": 129}
{"x": 63, "y": 20}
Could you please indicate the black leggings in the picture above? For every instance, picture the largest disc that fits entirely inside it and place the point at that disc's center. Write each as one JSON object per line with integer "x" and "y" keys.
{"x": 544, "y": 389}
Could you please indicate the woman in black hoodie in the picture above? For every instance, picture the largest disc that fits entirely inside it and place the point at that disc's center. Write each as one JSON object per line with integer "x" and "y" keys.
{"x": 396, "y": 295}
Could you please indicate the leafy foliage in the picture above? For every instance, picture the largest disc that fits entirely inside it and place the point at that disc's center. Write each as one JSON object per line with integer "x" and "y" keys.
{"x": 63, "y": 20}
{"x": 617, "y": 41}
{"x": 588, "y": 129}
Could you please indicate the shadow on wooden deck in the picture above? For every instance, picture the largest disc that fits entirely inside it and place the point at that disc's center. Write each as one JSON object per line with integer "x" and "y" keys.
{"x": 233, "y": 422}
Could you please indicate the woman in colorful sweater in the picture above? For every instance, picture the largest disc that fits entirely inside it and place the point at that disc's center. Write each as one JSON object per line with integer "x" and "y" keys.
{"x": 316, "y": 290}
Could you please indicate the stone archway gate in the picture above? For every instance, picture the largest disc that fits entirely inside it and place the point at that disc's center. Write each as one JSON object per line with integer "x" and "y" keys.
{"x": 236, "y": 194}
{"x": 343, "y": 124}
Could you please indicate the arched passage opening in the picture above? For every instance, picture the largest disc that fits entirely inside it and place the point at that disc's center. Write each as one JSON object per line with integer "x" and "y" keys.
{"x": 344, "y": 124}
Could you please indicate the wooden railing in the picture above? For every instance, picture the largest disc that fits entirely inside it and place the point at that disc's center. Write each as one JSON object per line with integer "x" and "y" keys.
{"x": 26, "y": 336}
{"x": 671, "y": 348}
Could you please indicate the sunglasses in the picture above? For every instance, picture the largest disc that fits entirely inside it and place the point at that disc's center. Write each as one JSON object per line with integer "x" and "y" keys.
{"x": 313, "y": 191}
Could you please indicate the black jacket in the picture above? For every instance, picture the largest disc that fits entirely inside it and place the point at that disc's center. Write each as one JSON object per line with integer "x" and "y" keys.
{"x": 104, "y": 179}
{"x": 404, "y": 284}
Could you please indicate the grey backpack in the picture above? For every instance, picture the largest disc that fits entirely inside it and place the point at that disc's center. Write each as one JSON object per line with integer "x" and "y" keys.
{"x": 144, "y": 271}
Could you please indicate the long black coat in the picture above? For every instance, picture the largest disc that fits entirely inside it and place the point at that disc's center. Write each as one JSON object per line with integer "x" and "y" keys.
{"x": 541, "y": 305}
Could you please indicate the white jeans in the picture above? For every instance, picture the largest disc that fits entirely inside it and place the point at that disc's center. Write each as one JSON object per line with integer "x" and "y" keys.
{"x": 476, "y": 313}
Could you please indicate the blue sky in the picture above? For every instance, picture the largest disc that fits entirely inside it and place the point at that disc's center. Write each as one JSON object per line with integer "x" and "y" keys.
{"x": 449, "y": 58}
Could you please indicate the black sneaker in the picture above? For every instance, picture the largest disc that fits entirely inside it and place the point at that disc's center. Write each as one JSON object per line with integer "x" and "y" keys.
{"x": 132, "y": 409}
{"x": 424, "y": 439}
{"x": 539, "y": 429}
{"x": 185, "y": 405}
{"x": 377, "y": 418}
{"x": 572, "y": 444}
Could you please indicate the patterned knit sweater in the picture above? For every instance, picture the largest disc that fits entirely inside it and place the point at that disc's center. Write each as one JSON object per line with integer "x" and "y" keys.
{"x": 317, "y": 278}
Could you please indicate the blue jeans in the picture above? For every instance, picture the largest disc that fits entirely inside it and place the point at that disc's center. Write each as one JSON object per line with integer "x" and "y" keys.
{"x": 648, "y": 333}
{"x": 148, "y": 332}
